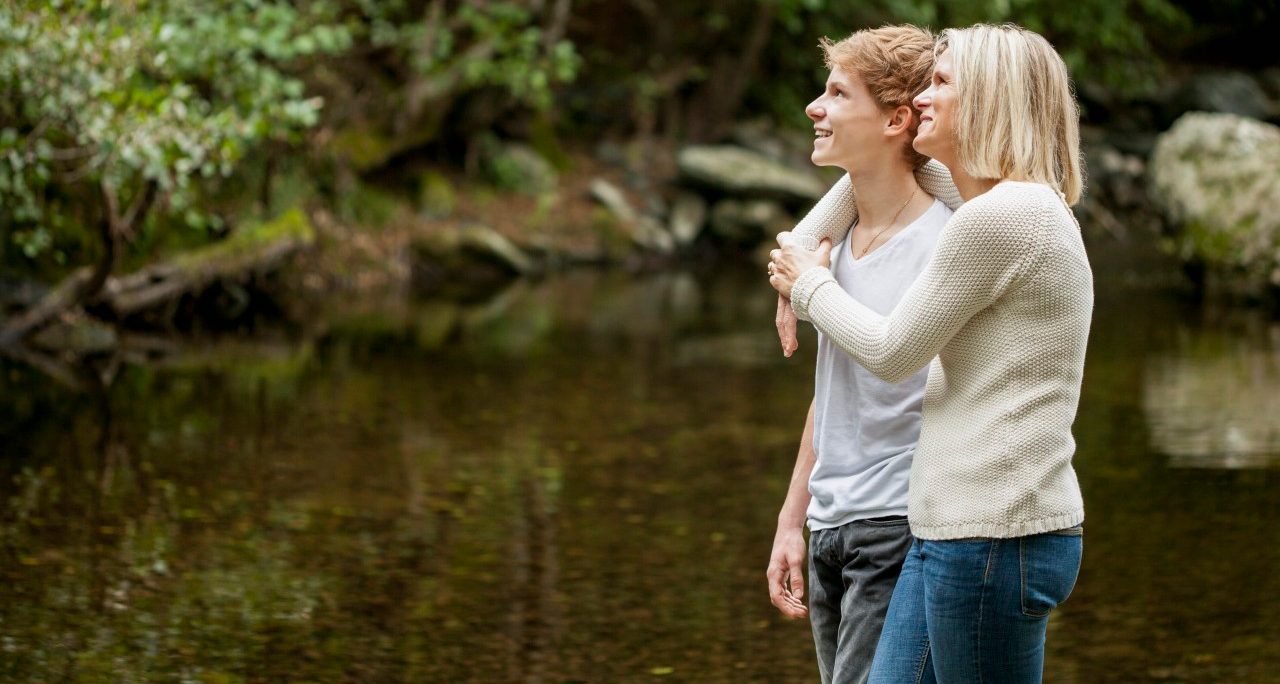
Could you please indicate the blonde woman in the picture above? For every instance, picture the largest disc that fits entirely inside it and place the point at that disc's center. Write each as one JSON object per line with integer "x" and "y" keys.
{"x": 1001, "y": 317}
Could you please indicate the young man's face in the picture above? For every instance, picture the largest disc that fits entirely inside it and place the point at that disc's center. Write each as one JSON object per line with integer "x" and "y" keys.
{"x": 846, "y": 121}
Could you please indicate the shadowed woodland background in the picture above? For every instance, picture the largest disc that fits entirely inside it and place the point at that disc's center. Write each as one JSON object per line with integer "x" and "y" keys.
{"x": 360, "y": 341}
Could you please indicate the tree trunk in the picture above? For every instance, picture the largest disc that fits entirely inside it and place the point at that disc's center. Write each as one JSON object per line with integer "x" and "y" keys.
{"x": 713, "y": 108}
{"x": 84, "y": 283}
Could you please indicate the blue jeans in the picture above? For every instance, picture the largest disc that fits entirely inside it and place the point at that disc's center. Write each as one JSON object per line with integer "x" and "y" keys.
{"x": 975, "y": 610}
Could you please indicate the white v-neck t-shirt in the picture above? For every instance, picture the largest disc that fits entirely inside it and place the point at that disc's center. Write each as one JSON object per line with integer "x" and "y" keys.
{"x": 865, "y": 429}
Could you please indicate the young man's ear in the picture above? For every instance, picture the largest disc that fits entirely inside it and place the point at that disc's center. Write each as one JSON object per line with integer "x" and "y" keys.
{"x": 901, "y": 120}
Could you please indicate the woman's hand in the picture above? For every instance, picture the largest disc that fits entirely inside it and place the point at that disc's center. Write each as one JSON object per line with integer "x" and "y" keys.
{"x": 790, "y": 260}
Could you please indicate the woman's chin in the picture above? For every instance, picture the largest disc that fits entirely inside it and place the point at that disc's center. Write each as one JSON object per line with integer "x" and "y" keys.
{"x": 925, "y": 146}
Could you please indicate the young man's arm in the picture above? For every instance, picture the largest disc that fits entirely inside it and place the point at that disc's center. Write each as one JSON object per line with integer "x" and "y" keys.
{"x": 786, "y": 564}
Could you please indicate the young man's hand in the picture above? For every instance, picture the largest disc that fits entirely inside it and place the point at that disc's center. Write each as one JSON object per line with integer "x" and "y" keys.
{"x": 786, "y": 322}
{"x": 786, "y": 573}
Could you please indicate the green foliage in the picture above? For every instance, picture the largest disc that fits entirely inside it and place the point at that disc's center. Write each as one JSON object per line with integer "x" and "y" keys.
{"x": 105, "y": 98}
{"x": 497, "y": 44}
{"x": 1106, "y": 43}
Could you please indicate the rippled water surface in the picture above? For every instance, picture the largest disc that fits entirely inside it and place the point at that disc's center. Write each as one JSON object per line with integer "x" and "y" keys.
{"x": 577, "y": 480}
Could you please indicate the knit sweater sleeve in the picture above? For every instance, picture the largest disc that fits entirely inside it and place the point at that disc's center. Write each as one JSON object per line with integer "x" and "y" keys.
{"x": 835, "y": 213}
{"x": 985, "y": 250}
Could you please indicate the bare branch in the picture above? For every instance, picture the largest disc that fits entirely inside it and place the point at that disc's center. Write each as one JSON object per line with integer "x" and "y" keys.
{"x": 555, "y": 31}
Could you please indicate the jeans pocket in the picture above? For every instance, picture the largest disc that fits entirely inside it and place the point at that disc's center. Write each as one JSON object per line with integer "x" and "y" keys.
{"x": 1049, "y": 564}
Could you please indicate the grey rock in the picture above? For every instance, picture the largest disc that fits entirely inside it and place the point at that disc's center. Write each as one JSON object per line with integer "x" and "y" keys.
{"x": 1269, "y": 79}
{"x": 613, "y": 199}
{"x": 688, "y": 216}
{"x": 1115, "y": 178}
{"x": 516, "y": 166}
{"x": 737, "y": 171}
{"x": 747, "y": 222}
{"x": 644, "y": 231}
{"x": 1216, "y": 178}
{"x": 483, "y": 240}
{"x": 1228, "y": 92}
{"x": 473, "y": 248}
{"x": 436, "y": 196}
{"x": 786, "y": 145}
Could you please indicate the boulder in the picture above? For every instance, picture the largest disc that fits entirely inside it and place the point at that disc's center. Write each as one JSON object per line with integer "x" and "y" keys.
{"x": 688, "y": 216}
{"x": 1215, "y": 178}
{"x": 1228, "y": 92}
{"x": 516, "y": 166}
{"x": 736, "y": 171}
{"x": 460, "y": 257}
{"x": 786, "y": 145}
{"x": 748, "y": 222}
{"x": 1116, "y": 179}
{"x": 436, "y": 196}
{"x": 644, "y": 231}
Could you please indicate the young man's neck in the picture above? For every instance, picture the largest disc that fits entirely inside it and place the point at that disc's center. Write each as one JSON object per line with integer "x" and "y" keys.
{"x": 882, "y": 190}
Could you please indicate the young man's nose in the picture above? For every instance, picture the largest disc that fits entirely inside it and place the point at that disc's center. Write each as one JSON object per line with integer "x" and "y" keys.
{"x": 815, "y": 111}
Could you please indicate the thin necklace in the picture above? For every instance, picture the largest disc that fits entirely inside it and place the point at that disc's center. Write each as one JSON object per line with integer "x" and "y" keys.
{"x": 890, "y": 223}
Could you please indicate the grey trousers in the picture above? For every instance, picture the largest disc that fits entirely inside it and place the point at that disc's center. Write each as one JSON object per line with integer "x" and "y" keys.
{"x": 852, "y": 571}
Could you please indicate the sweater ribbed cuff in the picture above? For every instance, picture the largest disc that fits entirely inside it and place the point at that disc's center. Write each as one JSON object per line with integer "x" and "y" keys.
{"x": 805, "y": 286}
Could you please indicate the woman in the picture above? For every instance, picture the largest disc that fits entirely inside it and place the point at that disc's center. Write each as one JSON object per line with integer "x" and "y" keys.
{"x": 1002, "y": 312}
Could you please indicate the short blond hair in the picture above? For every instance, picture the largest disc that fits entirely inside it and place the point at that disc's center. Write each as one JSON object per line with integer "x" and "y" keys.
{"x": 895, "y": 63}
{"x": 1017, "y": 115}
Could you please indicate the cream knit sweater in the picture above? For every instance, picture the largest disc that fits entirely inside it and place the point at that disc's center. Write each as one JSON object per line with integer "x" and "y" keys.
{"x": 1003, "y": 313}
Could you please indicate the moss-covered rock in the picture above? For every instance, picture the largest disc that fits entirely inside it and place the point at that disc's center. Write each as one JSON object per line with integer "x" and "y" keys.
{"x": 644, "y": 231}
{"x": 362, "y": 148}
{"x": 1216, "y": 177}
{"x": 517, "y": 167}
{"x": 436, "y": 196}
{"x": 460, "y": 259}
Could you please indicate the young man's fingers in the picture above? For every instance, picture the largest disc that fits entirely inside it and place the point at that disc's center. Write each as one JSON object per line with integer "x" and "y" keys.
{"x": 797, "y": 585}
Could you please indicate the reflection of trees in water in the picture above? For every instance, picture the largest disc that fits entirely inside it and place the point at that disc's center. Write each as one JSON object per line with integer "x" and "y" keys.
{"x": 1214, "y": 400}
{"x": 361, "y": 504}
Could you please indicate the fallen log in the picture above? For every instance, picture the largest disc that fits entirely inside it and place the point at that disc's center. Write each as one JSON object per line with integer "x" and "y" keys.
{"x": 247, "y": 253}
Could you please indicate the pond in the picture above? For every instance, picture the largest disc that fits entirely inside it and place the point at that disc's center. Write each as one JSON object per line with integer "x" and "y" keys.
{"x": 577, "y": 480}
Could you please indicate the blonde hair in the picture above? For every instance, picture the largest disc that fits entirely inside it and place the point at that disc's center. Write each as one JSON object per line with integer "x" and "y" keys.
{"x": 895, "y": 63}
{"x": 1017, "y": 116}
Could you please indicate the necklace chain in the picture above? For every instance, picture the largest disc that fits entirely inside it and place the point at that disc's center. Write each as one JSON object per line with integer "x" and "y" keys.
{"x": 890, "y": 223}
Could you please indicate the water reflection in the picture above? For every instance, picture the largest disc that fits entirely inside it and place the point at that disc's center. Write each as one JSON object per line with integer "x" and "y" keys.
{"x": 1213, "y": 400}
{"x": 576, "y": 480}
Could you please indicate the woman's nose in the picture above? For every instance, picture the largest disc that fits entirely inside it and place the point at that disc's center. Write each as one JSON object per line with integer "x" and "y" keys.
{"x": 923, "y": 99}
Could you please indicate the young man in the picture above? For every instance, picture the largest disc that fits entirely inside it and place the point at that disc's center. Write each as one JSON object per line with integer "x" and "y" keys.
{"x": 850, "y": 477}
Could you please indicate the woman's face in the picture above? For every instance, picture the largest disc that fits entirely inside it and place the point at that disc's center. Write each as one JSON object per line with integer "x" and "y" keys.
{"x": 937, "y": 105}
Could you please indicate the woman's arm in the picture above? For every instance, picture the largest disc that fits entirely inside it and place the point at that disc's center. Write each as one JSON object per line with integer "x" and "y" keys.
{"x": 982, "y": 252}
{"x": 831, "y": 219}
{"x": 835, "y": 213}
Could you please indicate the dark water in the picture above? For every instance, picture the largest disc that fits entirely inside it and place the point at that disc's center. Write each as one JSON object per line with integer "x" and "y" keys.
{"x": 578, "y": 481}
